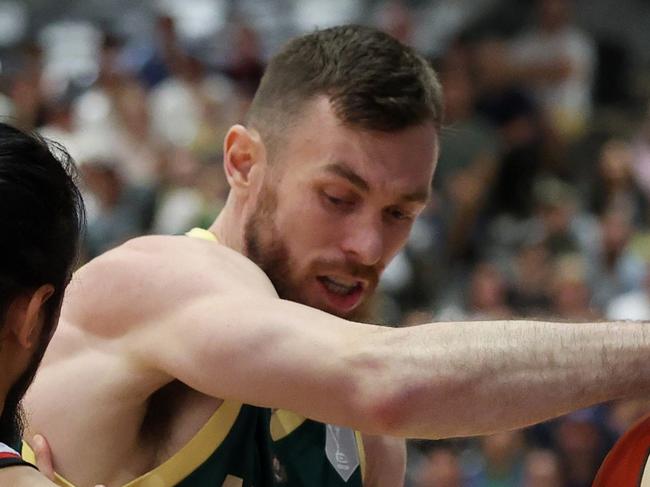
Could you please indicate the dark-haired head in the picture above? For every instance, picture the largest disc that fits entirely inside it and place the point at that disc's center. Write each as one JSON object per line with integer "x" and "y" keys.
{"x": 372, "y": 81}
{"x": 334, "y": 164}
{"x": 42, "y": 216}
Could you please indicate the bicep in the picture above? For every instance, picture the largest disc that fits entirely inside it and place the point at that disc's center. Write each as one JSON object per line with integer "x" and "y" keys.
{"x": 267, "y": 352}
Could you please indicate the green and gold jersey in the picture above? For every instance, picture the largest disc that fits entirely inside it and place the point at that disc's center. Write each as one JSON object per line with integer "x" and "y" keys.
{"x": 307, "y": 453}
{"x": 230, "y": 450}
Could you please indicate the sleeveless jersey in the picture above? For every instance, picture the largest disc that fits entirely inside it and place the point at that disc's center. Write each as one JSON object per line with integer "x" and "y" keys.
{"x": 11, "y": 458}
{"x": 312, "y": 454}
{"x": 307, "y": 453}
{"x": 231, "y": 450}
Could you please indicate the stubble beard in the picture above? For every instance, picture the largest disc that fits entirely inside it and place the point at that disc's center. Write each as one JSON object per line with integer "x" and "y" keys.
{"x": 271, "y": 254}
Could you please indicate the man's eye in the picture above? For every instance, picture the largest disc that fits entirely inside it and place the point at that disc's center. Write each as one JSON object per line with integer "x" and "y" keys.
{"x": 336, "y": 201}
{"x": 398, "y": 214}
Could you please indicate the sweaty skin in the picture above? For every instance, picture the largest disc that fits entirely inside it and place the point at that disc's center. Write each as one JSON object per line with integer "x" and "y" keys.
{"x": 201, "y": 320}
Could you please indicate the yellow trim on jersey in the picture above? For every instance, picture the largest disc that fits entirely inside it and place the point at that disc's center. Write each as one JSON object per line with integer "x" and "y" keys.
{"x": 202, "y": 234}
{"x": 283, "y": 423}
{"x": 362, "y": 455}
{"x": 183, "y": 462}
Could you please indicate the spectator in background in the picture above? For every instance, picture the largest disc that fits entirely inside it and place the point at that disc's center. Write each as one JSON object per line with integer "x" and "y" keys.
{"x": 27, "y": 90}
{"x": 468, "y": 151}
{"x": 564, "y": 227}
{"x": 570, "y": 292}
{"x": 641, "y": 155}
{"x": 190, "y": 102}
{"x": 582, "y": 446}
{"x": 529, "y": 289}
{"x": 542, "y": 468}
{"x": 113, "y": 121}
{"x": 507, "y": 106}
{"x": 557, "y": 60}
{"x": 503, "y": 460}
{"x": 165, "y": 55}
{"x": 246, "y": 64}
{"x": 59, "y": 121}
{"x": 615, "y": 187}
{"x": 624, "y": 414}
{"x": 487, "y": 293}
{"x": 619, "y": 269}
{"x": 440, "y": 468}
{"x": 117, "y": 210}
{"x": 192, "y": 192}
{"x": 633, "y": 305}
{"x": 396, "y": 18}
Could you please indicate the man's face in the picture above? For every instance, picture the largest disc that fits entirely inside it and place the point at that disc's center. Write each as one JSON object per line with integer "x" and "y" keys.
{"x": 11, "y": 419}
{"x": 335, "y": 207}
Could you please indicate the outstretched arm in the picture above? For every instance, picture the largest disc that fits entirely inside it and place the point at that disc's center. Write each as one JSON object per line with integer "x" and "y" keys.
{"x": 429, "y": 381}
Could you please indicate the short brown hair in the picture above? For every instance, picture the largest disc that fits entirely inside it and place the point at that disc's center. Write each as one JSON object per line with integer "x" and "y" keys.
{"x": 372, "y": 81}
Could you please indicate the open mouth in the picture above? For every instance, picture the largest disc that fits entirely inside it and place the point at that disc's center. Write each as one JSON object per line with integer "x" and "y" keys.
{"x": 344, "y": 294}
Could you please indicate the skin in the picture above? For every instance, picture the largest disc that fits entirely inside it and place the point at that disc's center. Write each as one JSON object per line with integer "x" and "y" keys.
{"x": 22, "y": 343}
{"x": 158, "y": 310}
{"x": 21, "y": 338}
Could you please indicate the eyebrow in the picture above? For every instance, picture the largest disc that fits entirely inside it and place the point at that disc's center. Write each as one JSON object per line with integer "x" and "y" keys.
{"x": 346, "y": 172}
{"x": 343, "y": 170}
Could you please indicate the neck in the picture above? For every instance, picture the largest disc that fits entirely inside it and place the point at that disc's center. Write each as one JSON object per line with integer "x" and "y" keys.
{"x": 229, "y": 228}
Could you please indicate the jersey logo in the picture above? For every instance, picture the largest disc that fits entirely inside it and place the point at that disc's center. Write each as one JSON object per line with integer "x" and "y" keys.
{"x": 341, "y": 450}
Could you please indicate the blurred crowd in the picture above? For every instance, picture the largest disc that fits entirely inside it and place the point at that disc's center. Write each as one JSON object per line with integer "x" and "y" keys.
{"x": 540, "y": 205}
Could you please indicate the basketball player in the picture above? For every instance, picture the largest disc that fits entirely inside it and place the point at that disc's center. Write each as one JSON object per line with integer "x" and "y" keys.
{"x": 194, "y": 360}
{"x": 41, "y": 216}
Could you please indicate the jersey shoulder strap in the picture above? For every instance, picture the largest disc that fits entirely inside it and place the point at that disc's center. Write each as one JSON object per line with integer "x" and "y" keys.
{"x": 11, "y": 458}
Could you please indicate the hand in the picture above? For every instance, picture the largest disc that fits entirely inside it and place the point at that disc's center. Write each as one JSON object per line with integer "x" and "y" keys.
{"x": 43, "y": 455}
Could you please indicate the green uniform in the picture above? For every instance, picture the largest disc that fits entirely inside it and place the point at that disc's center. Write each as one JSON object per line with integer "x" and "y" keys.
{"x": 247, "y": 446}
{"x": 230, "y": 450}
{"x": 299, "y": 447}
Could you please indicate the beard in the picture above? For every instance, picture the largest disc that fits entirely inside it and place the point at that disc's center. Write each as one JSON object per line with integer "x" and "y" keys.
{"x": 12, "y": 420}
{"x": 273, "y": 257}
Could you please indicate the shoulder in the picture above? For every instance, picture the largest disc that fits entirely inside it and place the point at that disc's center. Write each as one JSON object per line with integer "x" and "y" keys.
{"x": 23, "y": 477}
{"x": 151, "y": 275}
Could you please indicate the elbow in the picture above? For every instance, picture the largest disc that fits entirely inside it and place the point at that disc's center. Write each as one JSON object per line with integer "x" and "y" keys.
{"x": 381, "y": 399}
{"x": 385, "y": 415}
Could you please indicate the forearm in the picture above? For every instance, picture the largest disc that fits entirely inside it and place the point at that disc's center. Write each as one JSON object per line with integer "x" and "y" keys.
{"x": 459, "y": 379}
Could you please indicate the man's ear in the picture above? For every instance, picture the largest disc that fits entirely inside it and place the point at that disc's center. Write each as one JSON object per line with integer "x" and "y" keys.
{"x": 25, "y": 315}
{"x": 243, "y": 153}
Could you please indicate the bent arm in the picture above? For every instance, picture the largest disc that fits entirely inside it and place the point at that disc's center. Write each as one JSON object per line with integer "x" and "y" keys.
{"x": 429, "y": 381}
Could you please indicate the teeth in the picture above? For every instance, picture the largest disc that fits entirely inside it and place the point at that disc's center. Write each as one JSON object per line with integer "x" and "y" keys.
{"x": 342, "y": 282}
{"x": 338, "y": 287}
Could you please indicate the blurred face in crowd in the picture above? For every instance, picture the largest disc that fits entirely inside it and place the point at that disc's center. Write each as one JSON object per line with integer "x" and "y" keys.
{"x": 554, "y": 14}
{"x": 33, "y": 323}
{"x": 542, "y": 469}
{"x": 332, "y": 205}
{"x": 441, "y": 469}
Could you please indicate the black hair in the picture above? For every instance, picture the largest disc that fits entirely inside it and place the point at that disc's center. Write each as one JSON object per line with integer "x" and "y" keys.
{"x": 41, "y": 217}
